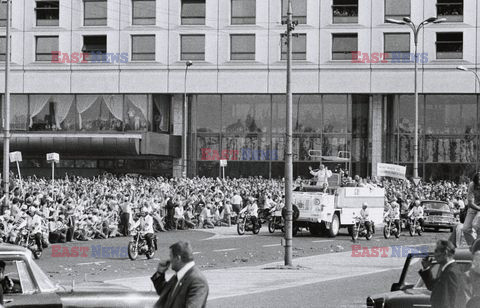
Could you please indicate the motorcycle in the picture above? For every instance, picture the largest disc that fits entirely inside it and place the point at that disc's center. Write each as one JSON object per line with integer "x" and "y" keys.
{"x": 27, "y": 240}
{"x": 414, "y": 227}
{"x": 138, "y": 245}
{"x": 244, "y": 223}
{"x": 275, "y": 223}
{"x": 359, "y": 229}
{"x": 390, "y": 228}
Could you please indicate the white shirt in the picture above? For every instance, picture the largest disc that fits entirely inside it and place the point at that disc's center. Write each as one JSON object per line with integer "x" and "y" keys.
{"x": 184, "y": 270}
{"x": 416, "y": 212}
{"x": 179, "y": 212}
{"x": 236, "y": 199}
{"x": 322, "y": 176}
{"x": 35, "y": 224}
{"x": 447, "y": 264}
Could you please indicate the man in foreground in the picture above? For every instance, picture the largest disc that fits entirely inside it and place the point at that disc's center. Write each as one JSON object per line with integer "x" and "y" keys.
{"x": 188, "y": 287}
{"x": 449, "y": 288}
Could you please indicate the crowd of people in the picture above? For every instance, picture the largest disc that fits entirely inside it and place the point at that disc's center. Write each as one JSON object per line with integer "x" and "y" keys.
{"x": 78, "y": 208}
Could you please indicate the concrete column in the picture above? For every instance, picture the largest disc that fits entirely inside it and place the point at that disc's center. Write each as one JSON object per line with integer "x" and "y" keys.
{"x": 177, "y": 123}
{"x": 376, "y": 130}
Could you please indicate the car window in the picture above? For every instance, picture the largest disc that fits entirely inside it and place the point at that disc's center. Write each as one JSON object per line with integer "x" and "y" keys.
{"x": 437, "y": 206}
{"x": 11, "y": 282}
{"x": 412, "y": 272}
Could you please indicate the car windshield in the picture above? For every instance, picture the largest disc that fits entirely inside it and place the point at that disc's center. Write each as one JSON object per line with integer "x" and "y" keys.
{"x": 436, "y": 206}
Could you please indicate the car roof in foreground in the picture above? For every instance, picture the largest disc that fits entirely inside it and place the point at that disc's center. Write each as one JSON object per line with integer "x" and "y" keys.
{"x": 13, "y": 249}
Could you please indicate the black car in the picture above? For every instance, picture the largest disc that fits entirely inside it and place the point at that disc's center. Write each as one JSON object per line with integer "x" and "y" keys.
{"x": 438, "y": 215}
{"x": 410, "y": 291}
{"x": 32, "y": 287}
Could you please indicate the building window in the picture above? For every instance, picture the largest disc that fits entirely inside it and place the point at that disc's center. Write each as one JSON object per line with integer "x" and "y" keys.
{"x": 299, "y": 48}
{"x": 243, "y": 12}
{"x": 396, "y": 45}
{"x": 3, "y": 14}
{"x": 192, "y": 47}
{"x": 299, "y": 10}
{"x": 47, "y": 13}
{"x": 143, "y": 47}
{"x": 345, "y": 11}
{"x": 3, "y": 41}
{"x": 452, "y": 10}
{"x": 397, "y": 9}
{"x": 193, "y": 12}
{"x": 94, "y": 12}
{"x": 44, "y": 47}
{"x": 96, "y": 47}
{"x": 143, "y": 12}
{"x": 242, "y": 47}
{"x": 450, "y": 45}
{"x": 343, "y": 45}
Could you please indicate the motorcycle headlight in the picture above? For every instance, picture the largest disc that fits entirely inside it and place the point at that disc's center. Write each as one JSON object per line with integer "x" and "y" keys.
{"x": 24, "y": 232}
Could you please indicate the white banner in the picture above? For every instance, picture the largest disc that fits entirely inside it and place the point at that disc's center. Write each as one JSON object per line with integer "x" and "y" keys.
{"x": 15, "y": 156}
{"x": 393, "y": 171}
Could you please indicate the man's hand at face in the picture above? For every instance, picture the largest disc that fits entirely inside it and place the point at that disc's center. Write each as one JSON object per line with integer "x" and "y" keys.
{"x": 426, "y": 262}
{"x": 163, "y": 266}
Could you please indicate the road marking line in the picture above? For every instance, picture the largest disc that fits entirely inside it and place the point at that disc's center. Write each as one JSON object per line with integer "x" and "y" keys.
{"x": 322, "y": 241}
{"x": 228, "y": 249}
{"x": 196, "y": 252}
{"x": 88, "y": 263}
{"x": 272, "y": 245}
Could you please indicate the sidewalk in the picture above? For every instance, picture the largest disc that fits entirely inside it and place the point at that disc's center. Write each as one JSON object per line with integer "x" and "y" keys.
{"x": 255, "y": 279}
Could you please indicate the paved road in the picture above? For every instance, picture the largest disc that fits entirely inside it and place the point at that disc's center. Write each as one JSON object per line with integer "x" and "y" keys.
{"x": 233, "y": 265}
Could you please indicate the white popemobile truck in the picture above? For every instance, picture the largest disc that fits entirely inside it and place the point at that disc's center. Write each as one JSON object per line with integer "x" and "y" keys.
{"x": 327, "y": 212}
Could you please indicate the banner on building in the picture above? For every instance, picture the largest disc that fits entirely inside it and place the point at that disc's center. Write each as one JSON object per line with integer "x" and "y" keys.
{"x": 391, "y": 170}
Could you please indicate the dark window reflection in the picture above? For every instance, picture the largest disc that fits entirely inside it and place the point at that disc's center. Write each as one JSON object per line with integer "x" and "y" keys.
{"x": 161, "y": 113}
{"x": 443, "y": 114}
{"x": 335, "y": 113}
{"x": 208, "y": 113}
{"x": 246, "y": 113}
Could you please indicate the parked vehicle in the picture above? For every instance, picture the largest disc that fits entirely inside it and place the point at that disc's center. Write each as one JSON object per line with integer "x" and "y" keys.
{"x": 390, "y": 228}
{"x": 27, "y": 240}
{"x": 33, "y": 288}
{"x": 438, "y": 215}
{"x": 244, "y": 223}
{"x": 410, "y": 290}
{"x": 360, "y": 229}
{"x": 138, "y": 246}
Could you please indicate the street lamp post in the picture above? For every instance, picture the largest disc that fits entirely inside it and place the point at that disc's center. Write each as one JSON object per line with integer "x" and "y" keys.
{"x": 463, "y": 68}
{"x": 416, "y": 30}
{"x": 6, "y": 116}
{"x": 185, "y": 125}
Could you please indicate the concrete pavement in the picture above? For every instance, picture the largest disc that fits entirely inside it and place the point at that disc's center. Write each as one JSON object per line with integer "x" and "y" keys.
{"x": 237, "y": 281}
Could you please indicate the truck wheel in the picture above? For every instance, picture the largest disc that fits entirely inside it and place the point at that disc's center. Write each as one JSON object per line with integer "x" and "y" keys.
{"x": 335, "y": 226}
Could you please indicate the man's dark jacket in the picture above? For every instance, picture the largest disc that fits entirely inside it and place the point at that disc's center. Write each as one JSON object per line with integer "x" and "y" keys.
{"x": 191, "y": 291}
{"x": 449, "y": 289}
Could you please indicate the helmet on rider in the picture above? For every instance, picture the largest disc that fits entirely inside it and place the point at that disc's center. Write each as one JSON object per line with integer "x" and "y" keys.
{"x": 144, "y": 211}
{"x": 32, "y": 210}
{"x": 394, "y": 204}
{"x": 364, "y": 205}
{"x": 417, "y": 203}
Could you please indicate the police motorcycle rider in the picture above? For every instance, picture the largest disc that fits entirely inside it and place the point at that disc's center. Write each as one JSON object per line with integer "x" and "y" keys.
{"x": 416, "y": 212}
{"x": 146, "y": 227}
{"x": 393, "y": 213}
{"x": 365, "y": 217}
{"x": 34, "y": 225}
{"x": 251, "y": 209}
